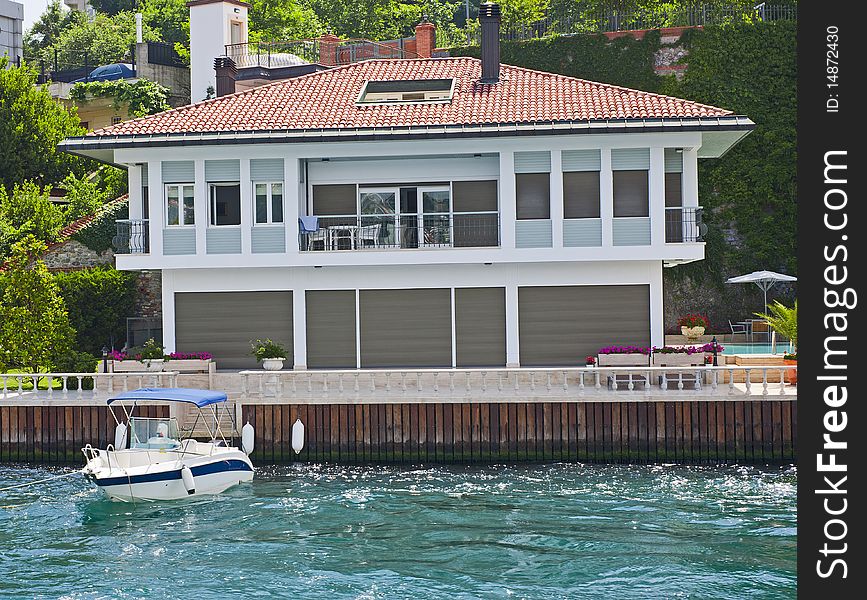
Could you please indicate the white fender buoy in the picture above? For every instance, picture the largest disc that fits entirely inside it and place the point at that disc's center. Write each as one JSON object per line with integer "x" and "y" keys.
{"x": 120, "y": 436}
{"x": 298, "y": 436}
{"x": 189, "y": 480}
{"x": 248, "y": 436}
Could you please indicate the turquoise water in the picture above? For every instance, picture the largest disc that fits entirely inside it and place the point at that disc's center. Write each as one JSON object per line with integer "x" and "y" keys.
{"x": 545, "y": 531}
{"x": 754, "y": 348}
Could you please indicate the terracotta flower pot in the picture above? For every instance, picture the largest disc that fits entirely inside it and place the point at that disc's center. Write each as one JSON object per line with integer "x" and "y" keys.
{"x": 791, "y": 374}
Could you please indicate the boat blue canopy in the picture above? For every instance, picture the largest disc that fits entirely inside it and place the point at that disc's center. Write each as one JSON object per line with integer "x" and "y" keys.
{"x": 190, "y": 395}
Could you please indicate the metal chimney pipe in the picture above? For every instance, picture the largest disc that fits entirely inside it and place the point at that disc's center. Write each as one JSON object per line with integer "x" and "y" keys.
{"x": 489, "y": 18}
{"x": 226, "y": 74}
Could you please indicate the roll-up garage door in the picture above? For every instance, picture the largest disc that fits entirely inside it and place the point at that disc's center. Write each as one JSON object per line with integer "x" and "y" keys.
{"x": 480, "y": 327}
{"x": 561, "y": 325}
{"x": 224, "y": 324}
{"x": 331, "y": 329}
{"x": 406, "y": 328}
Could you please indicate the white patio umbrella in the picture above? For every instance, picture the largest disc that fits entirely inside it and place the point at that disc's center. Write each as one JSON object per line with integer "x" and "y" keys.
{"x": 764, "y": 279}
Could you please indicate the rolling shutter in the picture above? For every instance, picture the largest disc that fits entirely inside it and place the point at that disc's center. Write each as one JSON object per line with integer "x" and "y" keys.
{"x": 178, "y": 171}
{"x": 480, "y": 327}
{"x": 559, "y": 326}
{"x": 224, "y": 324}
{"x": 406, "y": 328}
{"x": 331, "y": 329}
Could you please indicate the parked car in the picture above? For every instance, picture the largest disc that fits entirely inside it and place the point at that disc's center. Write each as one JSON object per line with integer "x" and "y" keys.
{"x": 110, "y": 73}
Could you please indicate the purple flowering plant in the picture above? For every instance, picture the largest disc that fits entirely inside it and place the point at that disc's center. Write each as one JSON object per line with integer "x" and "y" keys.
{"x": 625, "y": 350}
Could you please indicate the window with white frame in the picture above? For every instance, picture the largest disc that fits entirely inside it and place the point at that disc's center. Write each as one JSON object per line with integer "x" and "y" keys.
{"x": 180, "y": 204}
{"x": 225, "y": 204}
{"x": 267, "y": 202}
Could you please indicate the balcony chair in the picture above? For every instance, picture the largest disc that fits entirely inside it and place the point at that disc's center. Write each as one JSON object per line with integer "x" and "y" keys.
{"x": 737, "y": 328}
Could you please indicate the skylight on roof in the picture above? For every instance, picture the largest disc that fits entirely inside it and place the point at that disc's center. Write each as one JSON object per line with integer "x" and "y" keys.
{"x": 406, "y": 91}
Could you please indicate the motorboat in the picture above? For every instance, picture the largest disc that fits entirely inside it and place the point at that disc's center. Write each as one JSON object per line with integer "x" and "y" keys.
{"x": 150, "y": 461}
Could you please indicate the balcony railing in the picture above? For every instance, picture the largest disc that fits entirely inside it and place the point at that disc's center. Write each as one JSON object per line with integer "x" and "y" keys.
{"x": 684, "y": 224}
{"x": 132, "y": 237}
{"x": 273, "y": 55}
{"x": 381, "y": 232}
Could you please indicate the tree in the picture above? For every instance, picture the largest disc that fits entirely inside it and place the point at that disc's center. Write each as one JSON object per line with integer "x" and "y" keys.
{"x": 83, "y": 196}
{"x": 112, "y": 7}
{"x": 169, "y": 19}
{"x": 34, "y": 324}
{"x": 283, "y": 20}
{"x": 31, "y": 126}
{"x": 45, "y": 32}
{"x": 25, "y": 212}
{"x": 103, "y": 40}
{"x": 371, "y": 19}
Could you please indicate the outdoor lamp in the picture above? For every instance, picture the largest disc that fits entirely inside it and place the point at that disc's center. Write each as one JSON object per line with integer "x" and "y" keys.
{"x": 104, "y": 359}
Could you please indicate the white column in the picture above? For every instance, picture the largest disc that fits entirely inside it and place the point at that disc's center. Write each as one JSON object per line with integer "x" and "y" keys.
{"x": 508, "y": 211}
{"x": 156, "y": 207}
{"x": 291, "y": 203}
{"x": 246, "y": 207}
{"x": 657, "y": 196}
{"x": 168, "y": 298}
{"x": 513, "y": 356}
{"x": 557, "y": 198}
{"x": 606, "y": 197}
{"x": 201, "y": 207}
{"x": 657, "y": 327}
{"x": 689, "y": 180}
{"x": 134, "y": 179}
{"x": 299, "y": 323}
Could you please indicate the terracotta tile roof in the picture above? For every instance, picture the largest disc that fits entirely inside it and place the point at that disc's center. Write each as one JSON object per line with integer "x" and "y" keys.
{"x": 326, "y": 100}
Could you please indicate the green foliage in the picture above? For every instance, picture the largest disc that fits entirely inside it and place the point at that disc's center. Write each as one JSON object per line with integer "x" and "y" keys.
{"x": 113, "y": 181}
{"x": 783, "y": 320}
{"x": 280, "y": 20}
{"x": 169, "y": 19}
{"x": 83, "y": 195}
{"x": 112, "y": 7}
{"x": 74, "y": 361}
{"x": 45, "y": 32}
{"x": 31, "y": 126}
{"x": 371, "y": 19}
{"x": 263, "y": 349}
{"x": 522, "y": 12}
{"x": 624, "y": 61}
{"x": 103, "y": 40}
{"x": 34, "y": 324}
{"x": 27, "y": 212}
{"x": 151, "y": 351}
{"x": 142, "y": 97}
{"x": 99, "y": 301}
{"x": 750, "y": 70}
{"x": 98, "y": 233}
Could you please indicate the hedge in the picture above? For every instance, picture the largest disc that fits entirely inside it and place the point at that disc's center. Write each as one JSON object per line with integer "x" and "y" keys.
{"x": 98, "y": 301}
{"x": 97, "y": 234}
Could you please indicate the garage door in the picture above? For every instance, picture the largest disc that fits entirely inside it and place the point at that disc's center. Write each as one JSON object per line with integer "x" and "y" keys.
{"x": 480, "y": 327}
{"x": 331, "y": 329}
{"x": 561, "y": 325}
{"x": 224, "y": 323}
{"x": 406, "y": 328}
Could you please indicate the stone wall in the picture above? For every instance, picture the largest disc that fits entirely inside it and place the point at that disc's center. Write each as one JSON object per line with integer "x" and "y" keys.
{"x": 149, "y": 301}
{"x": 72, "y": 256}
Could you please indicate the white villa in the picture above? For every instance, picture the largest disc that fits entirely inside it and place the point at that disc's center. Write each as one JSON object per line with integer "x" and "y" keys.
{"x": 429, "y": 212}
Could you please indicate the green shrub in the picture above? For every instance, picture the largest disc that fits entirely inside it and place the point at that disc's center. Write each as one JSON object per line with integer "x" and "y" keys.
{"x": 263, "y": 349}
{"x": 97, "y": 234}
{"x": 73, "y": 361}
{"x": 99, "y": 301}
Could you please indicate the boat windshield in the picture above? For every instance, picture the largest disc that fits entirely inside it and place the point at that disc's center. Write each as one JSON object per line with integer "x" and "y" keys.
{"x": 153, "y": 434}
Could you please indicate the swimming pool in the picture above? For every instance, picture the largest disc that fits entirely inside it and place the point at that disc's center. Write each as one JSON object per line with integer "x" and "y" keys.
{"x": 757, "y": 348}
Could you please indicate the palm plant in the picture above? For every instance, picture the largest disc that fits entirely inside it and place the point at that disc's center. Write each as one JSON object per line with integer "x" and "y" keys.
{"x": 784, "y": 320}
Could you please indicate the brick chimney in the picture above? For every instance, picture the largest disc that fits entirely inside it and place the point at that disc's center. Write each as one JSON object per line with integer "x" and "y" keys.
{"x": 328, "y": 44}
{"x": 226, "y": 75}
{"x": 489, "y": 18}
{"x": 425, "y": 39}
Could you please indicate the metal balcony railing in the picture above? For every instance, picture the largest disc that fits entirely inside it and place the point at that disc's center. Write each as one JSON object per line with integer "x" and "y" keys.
{"x": 273, "y": 55}
{"x": 684, "y": 224}
{"x": 133, "y": 237}
{"x": 372, "y": 232}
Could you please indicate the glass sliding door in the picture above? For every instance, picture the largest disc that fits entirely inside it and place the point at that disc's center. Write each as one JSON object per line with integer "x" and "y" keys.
{"x": 379, "y": 223}
{"x": 435, "y": 217}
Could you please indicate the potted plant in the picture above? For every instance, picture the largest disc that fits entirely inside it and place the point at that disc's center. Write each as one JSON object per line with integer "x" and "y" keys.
{"x": 624, "y": 356}
{"x": 693, "y": 326}
{"x": 784, "y": 320}
{"x": 152, "y": 356}
{"x": 590, "y": 361}
{"x": 269, "y": 353}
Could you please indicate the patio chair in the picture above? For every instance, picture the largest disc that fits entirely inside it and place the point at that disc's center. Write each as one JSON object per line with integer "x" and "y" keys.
{"x": 737, "y": 328}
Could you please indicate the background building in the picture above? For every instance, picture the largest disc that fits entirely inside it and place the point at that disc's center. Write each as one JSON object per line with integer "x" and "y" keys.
{"x": 12, "y": 30}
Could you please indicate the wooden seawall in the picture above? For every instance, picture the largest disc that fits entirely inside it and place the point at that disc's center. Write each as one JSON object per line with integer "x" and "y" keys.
{"x": 690, "y": 431}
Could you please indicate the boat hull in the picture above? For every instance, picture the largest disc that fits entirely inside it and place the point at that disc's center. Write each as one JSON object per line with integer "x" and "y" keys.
{"x": 164, "y": 480}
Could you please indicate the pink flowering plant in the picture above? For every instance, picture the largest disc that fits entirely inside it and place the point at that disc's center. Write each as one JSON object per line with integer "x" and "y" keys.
{"x": 191, "y": 356}
{"x": 688, "y": 349}
{"x": 694, "y": 320}
{"x": 625, "y": 350}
